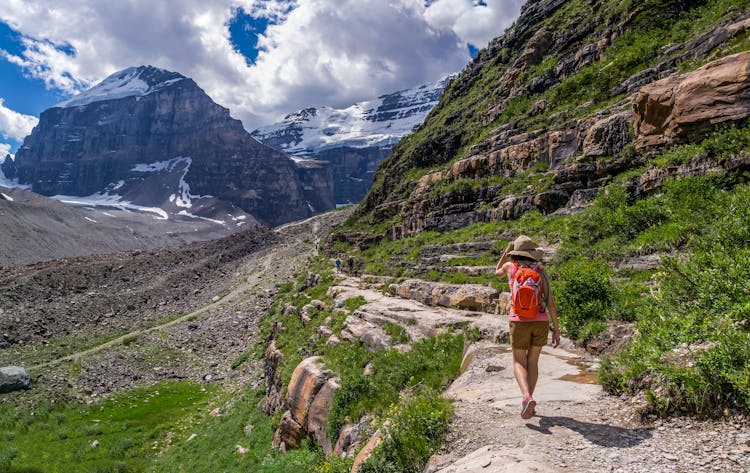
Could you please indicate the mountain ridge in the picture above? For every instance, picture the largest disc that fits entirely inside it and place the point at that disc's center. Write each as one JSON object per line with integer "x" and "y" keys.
{"x": 354, "y": 139}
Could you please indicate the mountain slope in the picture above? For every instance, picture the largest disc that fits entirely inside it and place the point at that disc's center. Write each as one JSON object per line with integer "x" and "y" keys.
{"x": 36, "y": 228}
{"x": 542, "y": 117}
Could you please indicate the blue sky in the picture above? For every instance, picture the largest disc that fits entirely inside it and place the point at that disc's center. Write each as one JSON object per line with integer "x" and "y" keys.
{"x": 261, "y": 58}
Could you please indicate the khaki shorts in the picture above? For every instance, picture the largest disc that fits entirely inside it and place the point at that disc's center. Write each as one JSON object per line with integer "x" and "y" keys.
{"x": 524, "y": 335}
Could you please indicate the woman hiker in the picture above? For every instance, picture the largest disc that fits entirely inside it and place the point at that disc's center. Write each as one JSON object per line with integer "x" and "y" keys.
{"x": 531, "y": 309}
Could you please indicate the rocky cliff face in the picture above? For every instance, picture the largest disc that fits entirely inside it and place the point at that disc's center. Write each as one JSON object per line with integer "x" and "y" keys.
{"x": 155, "y": 139}
{"x": 355, "y": 140}
{"x": 571, "y": 97}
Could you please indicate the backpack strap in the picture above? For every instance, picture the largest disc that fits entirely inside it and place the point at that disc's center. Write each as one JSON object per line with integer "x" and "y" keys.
{"x": 545, "y": 284}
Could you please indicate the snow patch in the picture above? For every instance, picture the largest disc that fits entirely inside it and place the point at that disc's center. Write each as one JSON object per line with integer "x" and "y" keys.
{"x": 107, "y": 200}
{"x": 90, "y": 219}
{"x": 183, "y": 198}
{"x": 6, "y": 196}
{"x": 188, "y": 214}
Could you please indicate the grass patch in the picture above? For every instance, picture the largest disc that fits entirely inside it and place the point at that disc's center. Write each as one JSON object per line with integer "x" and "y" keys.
{"x": 53, "y": 438}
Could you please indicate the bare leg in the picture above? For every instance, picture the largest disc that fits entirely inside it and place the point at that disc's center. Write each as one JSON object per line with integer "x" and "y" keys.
{"x": 520, "y": 370}
{"x": 532, "y": 367}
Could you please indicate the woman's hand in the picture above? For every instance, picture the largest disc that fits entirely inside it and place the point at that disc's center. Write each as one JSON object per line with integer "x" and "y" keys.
{"x": 555, "y": 337}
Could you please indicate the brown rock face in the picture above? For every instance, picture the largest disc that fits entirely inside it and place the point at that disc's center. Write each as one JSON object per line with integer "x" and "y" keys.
{"x": 290, "y": 433}
{"x": 317, "y": 417}
{"x": 366, "y": 451}
{"x": 677, "y": 108}
{"x": 306, "y": 381}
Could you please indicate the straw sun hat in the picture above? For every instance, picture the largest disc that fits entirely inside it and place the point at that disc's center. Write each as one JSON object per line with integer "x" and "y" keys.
{"x": 525, "y": 247}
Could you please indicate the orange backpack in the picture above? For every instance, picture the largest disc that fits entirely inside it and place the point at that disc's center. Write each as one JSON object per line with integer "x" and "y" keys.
{"x": 526, "y": 291}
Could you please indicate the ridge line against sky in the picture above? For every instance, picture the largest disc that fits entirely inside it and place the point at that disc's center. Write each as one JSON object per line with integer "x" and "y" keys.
{"x": 262, "y": 59}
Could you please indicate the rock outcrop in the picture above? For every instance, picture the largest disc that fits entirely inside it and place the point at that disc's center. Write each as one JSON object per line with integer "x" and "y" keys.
{"x": 309, "y": 397}
{"x": 680, "y": 108}
{"x": 543, "y": 148}
{"x": 457, "y": 296}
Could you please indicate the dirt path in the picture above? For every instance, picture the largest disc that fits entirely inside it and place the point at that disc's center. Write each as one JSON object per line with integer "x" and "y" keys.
{"x": 577, "y": 427}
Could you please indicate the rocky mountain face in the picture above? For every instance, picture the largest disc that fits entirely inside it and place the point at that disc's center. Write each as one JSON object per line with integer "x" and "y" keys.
{"x": 571, "y": 97}
{"x": 154, "y": 139}
{"x": 355, "y": 140}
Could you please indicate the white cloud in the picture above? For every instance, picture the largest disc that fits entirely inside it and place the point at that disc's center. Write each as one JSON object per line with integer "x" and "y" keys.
{"x": 319, "y": 52}
{"x": 474, "y": 22}
{"x": 14, "y": 125}
{"x": 4, "y": 151}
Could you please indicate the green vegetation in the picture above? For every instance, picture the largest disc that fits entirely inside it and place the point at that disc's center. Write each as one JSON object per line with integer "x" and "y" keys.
{"x": 411, "y": 431}
{"x": 51, "y": 438}
{"x": 693, "y": 343}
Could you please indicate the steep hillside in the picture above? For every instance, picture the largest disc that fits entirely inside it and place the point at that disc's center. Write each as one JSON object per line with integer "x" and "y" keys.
{"x": 543, "y": 116}
{"x": 615, "y": 134}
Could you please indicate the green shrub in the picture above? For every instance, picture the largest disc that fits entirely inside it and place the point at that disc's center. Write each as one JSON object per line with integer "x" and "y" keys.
{"x": 584, "y": 295}
{"x": 703, "y": 306}
{"x": 411, "y": 432}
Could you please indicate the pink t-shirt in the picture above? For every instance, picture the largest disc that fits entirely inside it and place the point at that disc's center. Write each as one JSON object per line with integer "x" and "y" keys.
{"x": 541, "y": 315}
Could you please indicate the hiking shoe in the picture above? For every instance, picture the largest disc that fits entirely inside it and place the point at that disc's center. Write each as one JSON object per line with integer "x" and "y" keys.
{"x": 527, "y": 407}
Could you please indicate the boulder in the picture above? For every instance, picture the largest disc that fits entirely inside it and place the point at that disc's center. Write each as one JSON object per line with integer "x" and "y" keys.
{"x": 458, "y": 296}
{"x": 678, "y": 108}
{"x": 306, "y": 381}
{"x": 333, "y": 341}
{"x": 317, "y": 416}
{"x": 290, "y": 433}
{"x": 14, "y": 378}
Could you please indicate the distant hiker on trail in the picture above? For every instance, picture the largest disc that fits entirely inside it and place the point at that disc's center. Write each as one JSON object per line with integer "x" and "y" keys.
{"x": 350, "y": 263}
{"x": 338, "y": 265}
{"x": 531, "y": 302}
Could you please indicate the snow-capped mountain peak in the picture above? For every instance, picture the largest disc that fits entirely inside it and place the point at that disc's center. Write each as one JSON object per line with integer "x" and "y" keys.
{"x": 133, "y": 81}
{"x": 373, "y": 123}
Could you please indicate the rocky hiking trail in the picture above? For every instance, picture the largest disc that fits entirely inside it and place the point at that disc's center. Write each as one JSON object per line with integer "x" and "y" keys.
{"x": 577, "y": 427}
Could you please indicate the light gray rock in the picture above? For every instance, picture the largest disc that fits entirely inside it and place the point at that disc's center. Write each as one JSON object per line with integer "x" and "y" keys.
{"x": 14, "y": 378}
